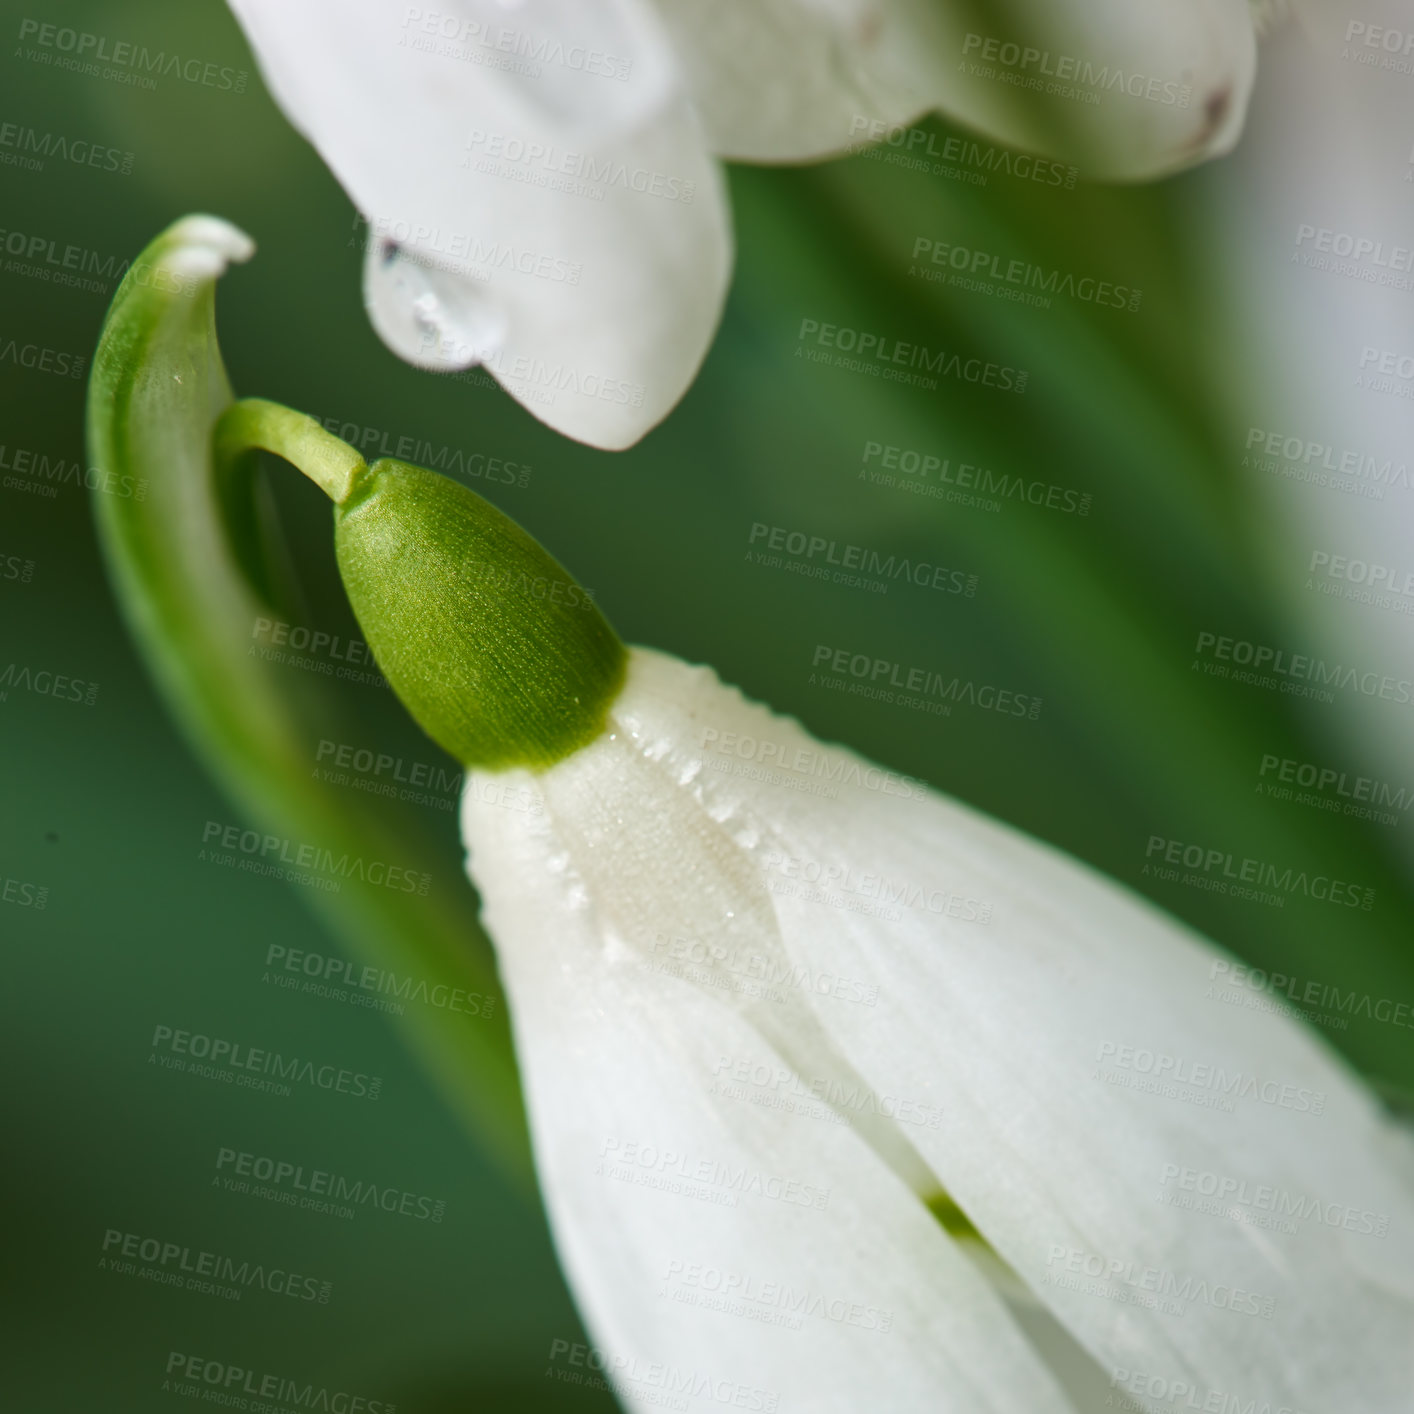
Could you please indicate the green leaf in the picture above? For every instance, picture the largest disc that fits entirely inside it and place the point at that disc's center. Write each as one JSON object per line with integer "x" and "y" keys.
{"x": 195, "y": 565}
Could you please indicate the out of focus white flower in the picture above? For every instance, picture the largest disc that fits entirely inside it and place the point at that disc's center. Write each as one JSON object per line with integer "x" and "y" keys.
{"x": 776, "y": 1008}
{"x": 1310, "y": 228}
{"x": 540, "y": 182}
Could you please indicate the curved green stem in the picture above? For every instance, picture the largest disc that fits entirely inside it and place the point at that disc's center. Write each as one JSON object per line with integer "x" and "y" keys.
{"x": 254, "y": 424}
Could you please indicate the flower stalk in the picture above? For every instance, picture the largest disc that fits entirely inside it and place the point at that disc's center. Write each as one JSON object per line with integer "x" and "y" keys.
{"x": 254, "y": 424}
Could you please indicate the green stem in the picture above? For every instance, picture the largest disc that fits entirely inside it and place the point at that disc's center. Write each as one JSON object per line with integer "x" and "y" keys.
{"x": 253, "y": 424}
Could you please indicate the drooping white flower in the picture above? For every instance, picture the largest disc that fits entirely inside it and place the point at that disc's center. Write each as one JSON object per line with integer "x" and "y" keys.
{"x": 538, "y": 177}
{"x": 799, "y": 1036}
{"x": 772, "y": 1001}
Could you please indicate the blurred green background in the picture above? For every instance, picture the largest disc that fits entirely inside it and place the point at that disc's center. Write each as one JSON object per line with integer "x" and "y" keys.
{"x": 1096, "y": 615}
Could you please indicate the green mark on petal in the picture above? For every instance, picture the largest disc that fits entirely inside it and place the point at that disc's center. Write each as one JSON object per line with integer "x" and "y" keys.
{"x": 952, "y": 1219}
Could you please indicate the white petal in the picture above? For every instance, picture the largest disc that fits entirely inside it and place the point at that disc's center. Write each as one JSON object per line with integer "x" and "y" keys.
{"x": 691, "y": 1222}
{"x": 541, "y": 64}
{"x": 1003, "y": 1027}
{"x": 788, "y": 80}
{"x": 1127, "y": 89}
{"x": 1124, "y": 88}
{"x": 557, "y": 219}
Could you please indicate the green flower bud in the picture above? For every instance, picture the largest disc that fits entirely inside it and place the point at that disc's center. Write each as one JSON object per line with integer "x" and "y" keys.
{"x": 503, "y": 659}
{"x": 500, "y": 655}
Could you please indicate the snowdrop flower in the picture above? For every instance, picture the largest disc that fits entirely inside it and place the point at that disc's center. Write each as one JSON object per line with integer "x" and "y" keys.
{"x": 844, "y": 1096}
{"x": 749, "y": 1077}
{"x": 539, "y": 178}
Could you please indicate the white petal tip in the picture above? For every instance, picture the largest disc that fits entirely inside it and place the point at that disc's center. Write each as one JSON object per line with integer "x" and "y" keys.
{"x": 214, "y": 237}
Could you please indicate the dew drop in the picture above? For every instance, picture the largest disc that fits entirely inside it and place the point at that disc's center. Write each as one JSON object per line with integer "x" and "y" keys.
{"x": 437, "y": 319}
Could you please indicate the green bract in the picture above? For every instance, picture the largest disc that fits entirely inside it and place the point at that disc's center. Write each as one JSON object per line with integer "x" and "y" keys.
{"x": 196, "y": 570}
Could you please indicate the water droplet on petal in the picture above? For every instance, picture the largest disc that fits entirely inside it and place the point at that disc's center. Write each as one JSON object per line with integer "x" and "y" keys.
{"x": 439, "y": 319}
